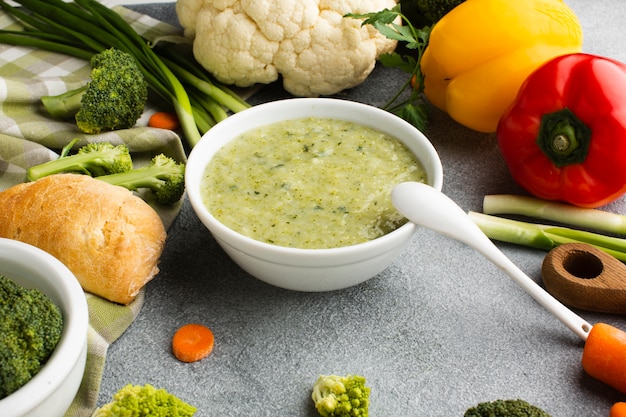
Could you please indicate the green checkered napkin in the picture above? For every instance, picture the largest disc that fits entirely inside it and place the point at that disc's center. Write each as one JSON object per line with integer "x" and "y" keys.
{"x": 28, "y": 137}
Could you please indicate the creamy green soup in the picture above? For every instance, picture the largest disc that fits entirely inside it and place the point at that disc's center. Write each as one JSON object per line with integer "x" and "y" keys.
{"x": 309, "y": 183}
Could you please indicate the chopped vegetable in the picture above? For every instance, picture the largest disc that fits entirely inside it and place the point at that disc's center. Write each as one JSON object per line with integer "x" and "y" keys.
{"x": 113, "y": 99}
{"x": 82, "y": 28}
{"x": 544, "y": 237}
{"x": 412, "y": 108}
{"x": 480, "y": 53}
{"x": 163, "y": 176}
{"x": 93, "y": 159}
{"x": 341, "y": 396}
{"x": 309, "y": 46}
{"x": 618, "y": 410}
{"x": 192, "y": 342}
{"x": 164, "y": 120}
{"x": 30, "y": 328}
{"x": 594, "y": 219}
{"x": 604, "y": 355}
{"x": 505, "y": 408}
{"x": 559, "y": 139}
{"x": 144, "y": 401}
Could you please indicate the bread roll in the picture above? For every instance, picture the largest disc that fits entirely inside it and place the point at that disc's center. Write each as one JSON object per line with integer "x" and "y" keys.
{"x": 108, "y": 237}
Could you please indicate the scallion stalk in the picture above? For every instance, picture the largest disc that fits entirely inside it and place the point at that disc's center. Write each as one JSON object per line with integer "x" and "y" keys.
{"x": 587, "y": 218}
{"x": 544, "y": 237}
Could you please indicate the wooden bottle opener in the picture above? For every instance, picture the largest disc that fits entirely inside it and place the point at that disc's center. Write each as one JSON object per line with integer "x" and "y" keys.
{"x": 583, "y": 276}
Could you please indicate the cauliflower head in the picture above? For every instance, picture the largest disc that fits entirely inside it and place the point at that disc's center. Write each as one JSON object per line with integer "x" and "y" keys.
{"x": 310, "y": 43}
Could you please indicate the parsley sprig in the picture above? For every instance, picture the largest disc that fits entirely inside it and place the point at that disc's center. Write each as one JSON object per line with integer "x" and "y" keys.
{"x": 412, "y": 107}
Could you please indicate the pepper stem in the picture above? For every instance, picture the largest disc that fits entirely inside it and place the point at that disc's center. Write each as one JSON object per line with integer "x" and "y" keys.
{"x": 564, "y": 138}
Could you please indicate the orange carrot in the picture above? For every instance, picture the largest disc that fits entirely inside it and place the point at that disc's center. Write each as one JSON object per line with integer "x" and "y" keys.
{"x": 618, "y": 410}
{"x": 192, "y": 342}
{"x": 164, "y": 120}
{"x": 604, "y": 355}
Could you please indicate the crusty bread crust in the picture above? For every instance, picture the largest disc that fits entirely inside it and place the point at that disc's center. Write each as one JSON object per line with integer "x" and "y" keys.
{"x": 109, "y": 238}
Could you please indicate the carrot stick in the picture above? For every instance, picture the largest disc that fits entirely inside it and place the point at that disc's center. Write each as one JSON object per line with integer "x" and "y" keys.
{"x": 164, "y": 120}
{"x": 604, "y": 355}
{"x": 192, "y": 342}
{"x": 618, "y": 410}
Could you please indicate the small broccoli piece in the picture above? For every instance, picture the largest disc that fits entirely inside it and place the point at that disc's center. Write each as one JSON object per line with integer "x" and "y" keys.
{"x": 505, "y": 408}
{"x": 341, "y": 396}
{"x": 113, "y": 99}
{"x": 93, "y": 159}
{"x": 30, "y": 328}
{"x": 145, "y": 401}
{"x": 434, "y": 10}
{"x": 163, "y": 176}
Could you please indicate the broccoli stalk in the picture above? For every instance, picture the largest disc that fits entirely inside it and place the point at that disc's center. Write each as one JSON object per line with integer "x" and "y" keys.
{"x": 505, "y": 408}
{"x": 144, "y": 401}
{"x": 341, "y": 396}
{"x": 163, "y": 176}
{"x": 93, "y": 159}
{"x": 113, "y": 99}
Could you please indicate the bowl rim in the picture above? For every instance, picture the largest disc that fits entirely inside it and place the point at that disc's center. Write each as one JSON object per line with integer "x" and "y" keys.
{"x": 196, "y": 165}
{"x": 75, "y": 322}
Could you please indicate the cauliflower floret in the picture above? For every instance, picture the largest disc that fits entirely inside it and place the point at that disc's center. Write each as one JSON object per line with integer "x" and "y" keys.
{"x": 309, "y": 43}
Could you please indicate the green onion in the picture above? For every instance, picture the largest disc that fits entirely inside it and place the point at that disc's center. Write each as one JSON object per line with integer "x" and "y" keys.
{"x": 83, "y": 28}
{"x": 558, "y": 212}
{"x": 544, "y": 237}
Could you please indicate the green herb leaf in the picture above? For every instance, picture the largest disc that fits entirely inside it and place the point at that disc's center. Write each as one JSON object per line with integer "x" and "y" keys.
{"x": 413, "y": 109}
{"x": 394, "y": 60}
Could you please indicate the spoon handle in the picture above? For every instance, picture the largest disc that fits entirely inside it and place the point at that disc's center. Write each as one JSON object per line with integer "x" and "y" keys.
{"x": 426, "y": 206}
{"x": 573, "y": 321}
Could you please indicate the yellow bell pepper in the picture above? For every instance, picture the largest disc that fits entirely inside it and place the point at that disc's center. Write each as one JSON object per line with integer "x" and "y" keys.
{"x": 481, "y": 52}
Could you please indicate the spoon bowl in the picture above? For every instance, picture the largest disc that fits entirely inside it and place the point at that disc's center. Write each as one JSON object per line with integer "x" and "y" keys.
{"x": 585, "y": 277}
{"x": 428, "y": 207}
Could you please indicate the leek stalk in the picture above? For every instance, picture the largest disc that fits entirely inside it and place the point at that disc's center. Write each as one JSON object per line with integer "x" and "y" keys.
{"x": 543, "y": 236}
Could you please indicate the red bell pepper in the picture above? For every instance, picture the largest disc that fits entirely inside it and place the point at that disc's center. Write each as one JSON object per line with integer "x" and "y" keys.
{"x": 564, "y": 137}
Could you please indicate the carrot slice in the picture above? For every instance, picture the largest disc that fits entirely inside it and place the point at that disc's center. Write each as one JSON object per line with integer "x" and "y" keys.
{"x": 164, "y": 120}
{"x": 192, "y": 342}
{"x": 604, "y": 355}
{"x": 618, "y": 410}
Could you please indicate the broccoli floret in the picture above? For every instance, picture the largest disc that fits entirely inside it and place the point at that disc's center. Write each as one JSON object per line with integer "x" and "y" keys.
{"x": 113, "y": 99}
{"x": 433, "y": 10}
{"x": 30, "y": 328}
{"x": 505, "y": 408}
{"x": 341, "y": 396}
{"x": 163, "y": 176}
{"x": 145, "y": 401}
{"x": 93, "y": 159}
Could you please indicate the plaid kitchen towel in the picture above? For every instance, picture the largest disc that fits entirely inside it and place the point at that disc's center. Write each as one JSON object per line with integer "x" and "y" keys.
{"x": 28, "y": 137}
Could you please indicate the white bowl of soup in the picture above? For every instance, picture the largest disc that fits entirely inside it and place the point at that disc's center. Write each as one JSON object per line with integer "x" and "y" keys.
{"x": 298, "y": 191}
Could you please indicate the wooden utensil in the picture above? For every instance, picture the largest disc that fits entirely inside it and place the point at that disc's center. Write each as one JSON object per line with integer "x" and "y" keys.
{"x": 583, "y": 276}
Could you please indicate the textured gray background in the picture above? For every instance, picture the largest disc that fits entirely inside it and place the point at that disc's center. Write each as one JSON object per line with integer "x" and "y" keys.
{"x": 437, "y": 332}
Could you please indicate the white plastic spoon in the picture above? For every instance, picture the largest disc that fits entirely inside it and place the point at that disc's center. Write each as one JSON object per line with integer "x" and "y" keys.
{"x": 428, "y": 207}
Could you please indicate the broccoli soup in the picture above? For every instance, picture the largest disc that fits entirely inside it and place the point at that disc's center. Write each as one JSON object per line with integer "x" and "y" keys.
{"x": 309, "y": 183}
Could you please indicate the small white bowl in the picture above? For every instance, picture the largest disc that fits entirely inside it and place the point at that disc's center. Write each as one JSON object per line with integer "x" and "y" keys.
{"x": 50, "y": 392}
{"x": 308, "y": 269}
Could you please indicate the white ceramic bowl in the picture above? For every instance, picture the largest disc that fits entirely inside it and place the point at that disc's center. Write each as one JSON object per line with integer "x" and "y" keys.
{"x": 308, "y": 269}
{"x": 51, "y": 391}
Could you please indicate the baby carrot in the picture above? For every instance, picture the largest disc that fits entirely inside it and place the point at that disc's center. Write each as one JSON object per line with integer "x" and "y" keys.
{"x": 192, "y": 342}
{"x": 604, "y": 355}
{"x": 164, "y": 120}
{"x": 618, "y": 410}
